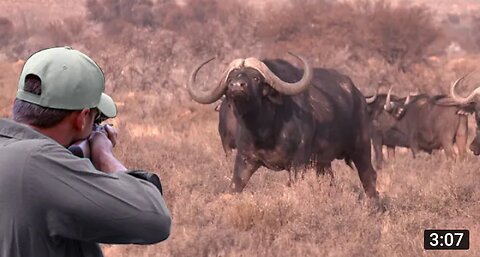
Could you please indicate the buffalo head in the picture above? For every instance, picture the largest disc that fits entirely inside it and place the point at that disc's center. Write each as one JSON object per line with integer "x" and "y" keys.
{"x": 249, "y": 81}
{"x": 396, "y": 108}
{"x": 389, "y": 105}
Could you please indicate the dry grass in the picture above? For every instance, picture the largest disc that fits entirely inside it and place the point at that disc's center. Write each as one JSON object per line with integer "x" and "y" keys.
{"x": 163, "y": 131}
{"x": 312, "y": 218}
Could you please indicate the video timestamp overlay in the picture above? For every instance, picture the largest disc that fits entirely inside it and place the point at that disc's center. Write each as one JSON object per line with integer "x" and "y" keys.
{"x": 446, "y": 239}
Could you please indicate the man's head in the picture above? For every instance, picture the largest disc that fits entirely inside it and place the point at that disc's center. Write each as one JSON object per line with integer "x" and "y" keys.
{"x": 62, "y": 85}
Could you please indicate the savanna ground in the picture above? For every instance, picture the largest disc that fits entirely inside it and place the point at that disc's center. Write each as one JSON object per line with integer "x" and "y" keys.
{"x": 146, "y": 49}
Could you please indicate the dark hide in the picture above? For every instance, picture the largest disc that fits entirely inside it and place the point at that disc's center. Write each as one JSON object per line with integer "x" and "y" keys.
{"x": 429, "y": 125}
{"x": 382, "y": 122}
{"x": 327, "y": 121}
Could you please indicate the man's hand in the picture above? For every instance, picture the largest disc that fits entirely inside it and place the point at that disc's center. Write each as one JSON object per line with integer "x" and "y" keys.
{"x": 111, "y": 133}
{"x": 102, "y": 142}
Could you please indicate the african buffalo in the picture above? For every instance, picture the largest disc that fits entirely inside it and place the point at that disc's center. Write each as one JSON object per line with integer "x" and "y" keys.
{"x": 383, "y": 118}
{"x": 426, "y": 124}
{"x": 466, "y": 105}
{"x": 275, "y": 122}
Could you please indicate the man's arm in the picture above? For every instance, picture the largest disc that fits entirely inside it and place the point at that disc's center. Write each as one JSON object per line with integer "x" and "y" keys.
{"x": 79, "y": 202}
{"x": 101, "y": 147}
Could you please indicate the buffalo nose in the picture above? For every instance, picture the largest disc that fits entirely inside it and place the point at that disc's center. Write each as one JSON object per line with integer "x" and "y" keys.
{"x": 238, "y": 84}
{"x": 237, "y": 87}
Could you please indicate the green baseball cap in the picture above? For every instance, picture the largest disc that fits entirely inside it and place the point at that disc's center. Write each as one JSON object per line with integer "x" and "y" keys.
{"x": 70, "y": 80}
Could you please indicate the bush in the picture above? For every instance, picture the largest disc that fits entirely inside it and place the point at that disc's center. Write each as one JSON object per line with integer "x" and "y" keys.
{"x": 158, "y": 36}
{"x": 110, "y": 12}
{"x": 400, "y": 35}
{"x": 475, "y": 30}
{"x": 7, "y": 30}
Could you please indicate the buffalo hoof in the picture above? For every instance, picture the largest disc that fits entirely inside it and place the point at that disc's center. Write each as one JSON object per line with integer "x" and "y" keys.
{"x": 378, "y": 204}
{"x": 235, "y": 189}
{"x": 289, "y": 183}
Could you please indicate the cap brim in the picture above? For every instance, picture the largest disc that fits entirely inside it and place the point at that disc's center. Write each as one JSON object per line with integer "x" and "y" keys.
{"x": 107, "y": 106}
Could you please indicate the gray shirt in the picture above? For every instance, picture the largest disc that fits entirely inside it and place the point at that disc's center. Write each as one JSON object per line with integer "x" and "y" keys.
{"x": 53, "y": 203}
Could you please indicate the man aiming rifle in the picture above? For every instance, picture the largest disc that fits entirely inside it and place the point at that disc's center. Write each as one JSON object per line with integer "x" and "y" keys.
{"x": 52, "y": 202}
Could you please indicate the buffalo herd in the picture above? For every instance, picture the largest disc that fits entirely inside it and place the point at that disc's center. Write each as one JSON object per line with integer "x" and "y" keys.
{"x": 282, "y": 117}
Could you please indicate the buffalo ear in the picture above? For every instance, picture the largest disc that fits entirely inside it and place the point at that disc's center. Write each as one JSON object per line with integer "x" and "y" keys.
{"x": 266, "y": 90}
{"x": 468, "y": 108}
{"x": 273, "y": 95}
{"x": 399, "y": 112}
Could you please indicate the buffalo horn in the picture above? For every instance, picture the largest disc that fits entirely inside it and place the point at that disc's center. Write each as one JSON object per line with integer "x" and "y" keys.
{"x": 278, "y": 84}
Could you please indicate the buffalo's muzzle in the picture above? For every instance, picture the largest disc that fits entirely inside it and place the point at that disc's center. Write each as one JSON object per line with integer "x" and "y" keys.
{"x": 237, "y": 88}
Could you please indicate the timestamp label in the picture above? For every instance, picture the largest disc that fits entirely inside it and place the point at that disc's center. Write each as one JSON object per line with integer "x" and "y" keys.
{"x": 446, "y": 239}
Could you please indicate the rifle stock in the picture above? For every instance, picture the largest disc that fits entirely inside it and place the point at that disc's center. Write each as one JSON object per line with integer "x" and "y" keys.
{"x": 81, "y": 149}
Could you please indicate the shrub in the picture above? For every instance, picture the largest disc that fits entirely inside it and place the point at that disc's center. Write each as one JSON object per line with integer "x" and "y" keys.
{"x": 110, "y": 12}
{"x": 400, "y": 35}
{"x": 7, "y": 30}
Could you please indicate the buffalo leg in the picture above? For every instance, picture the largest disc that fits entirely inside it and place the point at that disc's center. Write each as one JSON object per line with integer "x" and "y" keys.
{"x": 300, "y": 171}
{"x": 290, "y": 178}
{"x": 414, "y": 148}
{"x": 391, "y": 153}
{"x": 324, "y": 169}
{"x": 414, "y": 153}
{"x": 368, "y": 176}
{"x": 377, "y": 147}
{"x": 461, "y": 137}
{"x": 449, "y": 150}
{"x": 243, "y": 170}
{"x": 413, "y": 143}
{"x": 293, "y": 175}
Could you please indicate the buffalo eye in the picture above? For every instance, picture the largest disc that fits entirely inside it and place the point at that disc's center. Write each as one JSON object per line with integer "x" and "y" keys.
{"x": 256, "y": 79}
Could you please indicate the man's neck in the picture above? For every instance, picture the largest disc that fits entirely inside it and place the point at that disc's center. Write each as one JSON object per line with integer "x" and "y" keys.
{"x": 59, "y": 133}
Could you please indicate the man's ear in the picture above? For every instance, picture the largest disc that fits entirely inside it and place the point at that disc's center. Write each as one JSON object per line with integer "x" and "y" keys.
{"x": 272, "y": 95}
{"x": 79, "y": 118}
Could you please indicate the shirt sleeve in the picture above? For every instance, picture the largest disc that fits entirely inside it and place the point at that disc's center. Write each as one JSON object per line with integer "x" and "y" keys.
{"x": 76, "y": 201}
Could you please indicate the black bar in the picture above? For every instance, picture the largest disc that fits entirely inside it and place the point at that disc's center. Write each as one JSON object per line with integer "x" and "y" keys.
{"x": 446, "y": 239}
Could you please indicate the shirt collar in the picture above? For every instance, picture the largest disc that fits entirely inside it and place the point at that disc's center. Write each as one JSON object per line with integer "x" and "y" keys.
{"x": 13, "y": 129}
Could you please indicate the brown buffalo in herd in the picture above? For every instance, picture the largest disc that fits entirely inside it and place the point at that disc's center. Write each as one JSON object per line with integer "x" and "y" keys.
{"x": 419, "y": 122}
{"x": 384, "y": 117}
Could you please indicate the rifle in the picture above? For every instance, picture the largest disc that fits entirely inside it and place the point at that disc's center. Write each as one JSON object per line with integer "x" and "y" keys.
{"x": 82, "y": 148}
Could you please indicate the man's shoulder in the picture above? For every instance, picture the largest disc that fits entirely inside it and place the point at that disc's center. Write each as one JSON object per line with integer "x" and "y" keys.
{"x": 32, "y": 152}
{"x": 32, "y": 145}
